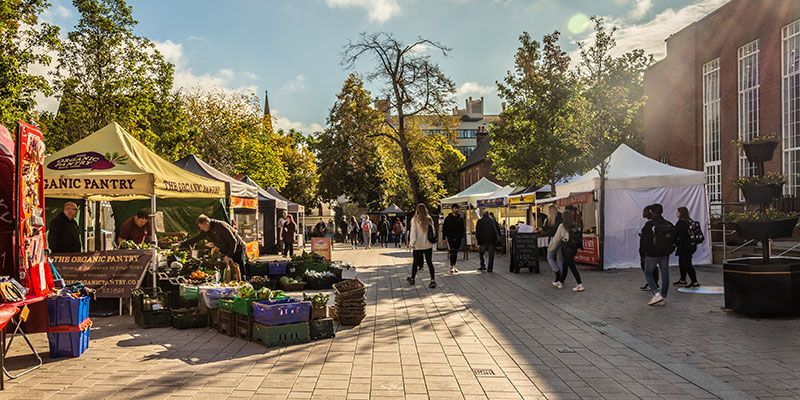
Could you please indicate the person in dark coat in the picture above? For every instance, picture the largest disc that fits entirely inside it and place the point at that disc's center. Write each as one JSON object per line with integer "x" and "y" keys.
{"x": 658, "y": 238}
{"x": 646, "y": 214}
{"x": 487, "y": 236}
{"x": 222, "y": 235}
{"x": 685, "y": 248}
{"x": 289, "y": 230}
{"x": 383, "y": 231}
{"x": 64, "y": 235}
{"x": 453, "y": 231}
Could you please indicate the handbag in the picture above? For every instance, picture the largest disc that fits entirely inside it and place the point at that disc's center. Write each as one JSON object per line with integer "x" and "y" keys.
{"x": 431, "y": 234}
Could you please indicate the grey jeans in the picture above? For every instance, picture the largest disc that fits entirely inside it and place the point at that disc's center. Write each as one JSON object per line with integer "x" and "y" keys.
{"x": 650, "y": 265}
{"x": 555, "y": 259}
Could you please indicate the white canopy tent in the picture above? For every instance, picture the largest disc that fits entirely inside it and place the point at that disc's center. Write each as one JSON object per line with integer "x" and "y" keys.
{"x": 471, "y": 195}
{"x": 634, "y": 181}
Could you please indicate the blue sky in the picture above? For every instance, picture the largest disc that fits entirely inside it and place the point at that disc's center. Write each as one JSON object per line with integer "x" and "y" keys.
{"x": 292, "y": 47}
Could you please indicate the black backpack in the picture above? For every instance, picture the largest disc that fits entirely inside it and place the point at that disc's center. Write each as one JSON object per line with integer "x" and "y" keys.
{"x": 695, "y": 233}
{"x": 663, "y": 238}
{"x": 575, "y": 241}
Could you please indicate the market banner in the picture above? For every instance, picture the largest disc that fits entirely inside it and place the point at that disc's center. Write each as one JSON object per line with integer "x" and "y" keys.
{"x": 111, "y": 273}
{"x": 522, "y": 199}
{"x": 244, "y": 202}
{"x": 576, "y": 198}
{"x": 495, "y": 202}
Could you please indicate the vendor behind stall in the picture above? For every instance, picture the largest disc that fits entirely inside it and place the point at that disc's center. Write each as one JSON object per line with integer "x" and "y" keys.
{"x": 64, "y": 233}
{"x": 136, "y": 228}
{"x": 223, "y": 237}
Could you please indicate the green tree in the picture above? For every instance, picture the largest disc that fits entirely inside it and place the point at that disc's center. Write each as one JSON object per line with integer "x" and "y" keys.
{"x": 301, "y": 168}
{"x": 107, "y": 73}
{"x": 24, "y": 42}
{"x": 535, "y": 139}
{"x": 413, "y": 85}
{"x": 348, "y": 155}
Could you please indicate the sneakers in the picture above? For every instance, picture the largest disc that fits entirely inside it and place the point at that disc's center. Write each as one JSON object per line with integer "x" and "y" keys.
{"x": 456, "y": 270}
{"x": 656, "y": 300}
{"x": 555, "y": 284}
{"x": 578, "y": 288}
{"x": 679, "y": 282}
{"x": 482, "y": 268}
{"x": 453, "y": 270}
{"x": 558, "y": 285}
{"x": 645, "y": 288}
{"x": 693, "y": 285}
{"x": 410, "y": 280}
{"x": 432, "y": 285}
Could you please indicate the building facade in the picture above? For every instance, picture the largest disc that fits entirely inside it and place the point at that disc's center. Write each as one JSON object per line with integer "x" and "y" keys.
{"x": 472, "y": 123}
{"x": 732, "y": 75}
{"x": 478, "y": 165}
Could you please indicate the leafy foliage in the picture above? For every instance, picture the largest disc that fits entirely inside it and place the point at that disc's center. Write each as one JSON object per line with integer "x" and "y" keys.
{"x": 24, "y": 42}
{"x": 301, "y": 167}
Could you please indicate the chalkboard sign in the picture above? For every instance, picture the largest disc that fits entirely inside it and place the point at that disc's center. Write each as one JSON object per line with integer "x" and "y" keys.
{"x": 524, "y": 252}
{"x": 111, "y": 273}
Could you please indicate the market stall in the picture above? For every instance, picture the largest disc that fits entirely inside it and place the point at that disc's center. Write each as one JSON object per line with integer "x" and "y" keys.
{"x": 270, "y": 209}
{"x": 111, "y": 165}
{"x": 298, "y": 212}
{"x": 468, "y": 200}
{"x": 633, "y": 181}
{"x": 241, "y": 200}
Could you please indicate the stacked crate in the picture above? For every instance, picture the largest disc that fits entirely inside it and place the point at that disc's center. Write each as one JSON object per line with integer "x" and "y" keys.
{"x": 279, "y": 323}
{"x": 350, "y": 303}
{"x": 69, "y": 326}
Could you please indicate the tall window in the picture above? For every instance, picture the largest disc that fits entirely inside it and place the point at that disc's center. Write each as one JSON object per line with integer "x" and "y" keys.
{"x": 791, "y": 106}
{"x": 748, "y": 101}
{"x": 712, "y": 162}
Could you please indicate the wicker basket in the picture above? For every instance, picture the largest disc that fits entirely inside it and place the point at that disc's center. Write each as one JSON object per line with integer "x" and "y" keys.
{"x": 348, "y": 286}
{"x": 293, "y": 287}
{"x": 319, "y": 312}
{"x": 354, "y": 294}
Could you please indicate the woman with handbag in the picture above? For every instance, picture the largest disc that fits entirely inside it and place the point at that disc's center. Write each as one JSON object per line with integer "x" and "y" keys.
{"x": 422, "y": 238}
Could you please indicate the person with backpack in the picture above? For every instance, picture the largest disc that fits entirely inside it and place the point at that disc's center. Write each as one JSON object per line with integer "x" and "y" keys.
{"x": 453, "y": 231}
{"x": 383, "y": 231}
{"x": 570, "y": 238}
{"x": 366, "y": 229}
{"x": 352, "y": 232}
{"x": 646, "y": 214}
{"x": 688, "y": 235}
{"x": 658, "y": 236}
{"x": 423, "y": 236}
{"x": 487, "y": 236}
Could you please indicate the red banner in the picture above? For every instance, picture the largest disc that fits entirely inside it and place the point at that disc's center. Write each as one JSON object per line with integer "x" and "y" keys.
{"x": 243, "y": 202}
{"x": 322, "y": 246}
{"x": 576, "y": 198}
{"x": 590, "y": 253}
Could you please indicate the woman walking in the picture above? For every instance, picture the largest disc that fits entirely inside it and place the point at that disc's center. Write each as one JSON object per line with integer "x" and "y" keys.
{"x": 685, "y": 248}
{"x": 289, "y": 229}
{"x": 418, "y": 241}
{"x": 568, "y": 234}
{"x": 352, "y": 232}
{"x": 554, "y": 258}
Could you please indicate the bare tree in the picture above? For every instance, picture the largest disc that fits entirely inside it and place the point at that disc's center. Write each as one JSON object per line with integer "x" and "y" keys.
{"x": 411, "y": 83}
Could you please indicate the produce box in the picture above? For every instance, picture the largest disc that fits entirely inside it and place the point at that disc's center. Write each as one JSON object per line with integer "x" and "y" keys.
{"x": 244, "y": 327}
{"x": 189, "y": 292}
{"x": 153, "y": 319}
{"x": 68, "y": 344}
{"x": 272, "y": 336}
{"x": 259, "y": 269}
{"x": 226, "y": 304}
{"x": 148, "y": 299}
{"x": 213, "y": 318}
{"x": 237, "y": 305}
{"x": 67, "y": 310}
{"x": 278, "y": 267}
{"x": 321, "y": 329}
{"x": 227, "y": 322}
{"x": 189, "y": 319}
{"x": 274, "y": 313}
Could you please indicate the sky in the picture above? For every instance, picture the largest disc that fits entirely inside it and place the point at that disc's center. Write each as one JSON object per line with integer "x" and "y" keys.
{"x": 292, "y": 48}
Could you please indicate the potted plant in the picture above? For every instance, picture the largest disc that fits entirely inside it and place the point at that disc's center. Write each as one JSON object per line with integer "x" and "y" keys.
{"x": 760, "y": 224}
{"x": 761, "y": 189}
{"x": 760, "y": 148}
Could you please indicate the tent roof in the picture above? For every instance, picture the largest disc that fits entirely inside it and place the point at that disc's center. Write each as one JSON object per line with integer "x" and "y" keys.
{"x": 235, "y": 187}
{"x": 264, "y": 195}
{"x": 392, "y": 209}
{"x": 293, "y": 207}
{"x": 125, "y": 169}
{"x": 470, "y": 195}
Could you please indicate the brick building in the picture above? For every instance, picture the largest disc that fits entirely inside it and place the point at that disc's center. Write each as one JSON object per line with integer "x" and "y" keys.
{"x": 734, "y": 74}
{"x": 478, "y": 164}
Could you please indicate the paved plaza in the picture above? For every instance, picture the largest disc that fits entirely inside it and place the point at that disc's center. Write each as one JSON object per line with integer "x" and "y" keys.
{"x": 476, "y": 336}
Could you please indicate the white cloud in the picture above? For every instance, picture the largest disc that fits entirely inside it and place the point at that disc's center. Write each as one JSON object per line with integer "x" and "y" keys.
{"x": 378, "y": 10}
{"x": 651, "y": 34}
{"x": 186, "y": 78}
{"x": 297, "y": 84}
{"x": 640, "y": 9}
{"x": 470, "y": 88}
{"x": 283, "y": 122}
{"x": 62, "y": 11}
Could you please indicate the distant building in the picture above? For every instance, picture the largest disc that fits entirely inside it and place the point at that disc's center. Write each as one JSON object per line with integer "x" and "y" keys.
{"x": 478, "y": 164}
{"x": 734, "y": 74}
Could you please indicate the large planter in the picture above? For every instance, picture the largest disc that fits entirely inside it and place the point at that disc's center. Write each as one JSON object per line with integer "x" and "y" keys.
{"x": 760, "y": 230}
{"x": 763, "y": 288}
{"x": 759, "y": 152}
{"x": 761, "y": 194}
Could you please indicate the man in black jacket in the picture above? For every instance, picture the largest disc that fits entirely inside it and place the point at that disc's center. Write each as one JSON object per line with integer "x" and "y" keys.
{"x": 648, "y": 215}
{"x": 487, "y": 236}
{"x": 221, "y": 234}
{"x": 453, "y": 231}
{"x": 658, "y": 240}
{"x": 64, "y": 235}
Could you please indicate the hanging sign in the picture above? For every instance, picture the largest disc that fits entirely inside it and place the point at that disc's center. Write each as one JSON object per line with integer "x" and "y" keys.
{"x": 590, "y": 253}
{"x": 243, "y": 202}
{"x": 111, "y": 273}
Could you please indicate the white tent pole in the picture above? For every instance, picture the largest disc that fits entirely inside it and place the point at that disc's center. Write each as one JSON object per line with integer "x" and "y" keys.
{"x": 154, "y": 243}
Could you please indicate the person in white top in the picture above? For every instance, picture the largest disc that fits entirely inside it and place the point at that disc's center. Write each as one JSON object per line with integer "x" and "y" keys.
{"x": 564, "y": 242}
{"x": 418, "y": 241}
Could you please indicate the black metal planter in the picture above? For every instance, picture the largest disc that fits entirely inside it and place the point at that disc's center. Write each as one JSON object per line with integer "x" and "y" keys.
{"x": 758, "y": 288}
{"x": 760, "y": 230}
{"x": 761, "y": 194}
{"x": 759, "y": 152}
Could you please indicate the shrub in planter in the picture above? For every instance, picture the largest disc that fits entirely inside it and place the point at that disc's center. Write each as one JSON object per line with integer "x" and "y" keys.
{"x": 761, "y": 189}
{"x": 766, "y": 224}
{"x": 760, "y": 148}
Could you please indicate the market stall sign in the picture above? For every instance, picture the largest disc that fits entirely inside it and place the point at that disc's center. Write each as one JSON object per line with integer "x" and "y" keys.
{"x": 522, "y": 199}
{"x": 111, "y": 273}
{"x": 114, "y": 186}
{"x": 251, "y": 249}
{"x": 576, "y": 198}
{"x": 525, "y": 252}
{"x": 244, "y": 202}
{"x": 590, "y": 253}
{"x": 499, "y": 201}
{"x": 322, "y": 246}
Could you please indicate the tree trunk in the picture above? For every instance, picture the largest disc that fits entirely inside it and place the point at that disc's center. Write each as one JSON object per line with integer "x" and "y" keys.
{"x": 601, "y": 218}
{"x": 413, "y": 180}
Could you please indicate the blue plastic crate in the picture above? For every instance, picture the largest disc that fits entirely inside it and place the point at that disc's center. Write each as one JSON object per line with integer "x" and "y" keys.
{"x": 278, "y": 267}
{"x": 272, "y": 313}
{"x": 67, "y": 310}
{"x": 68, "y": 344}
